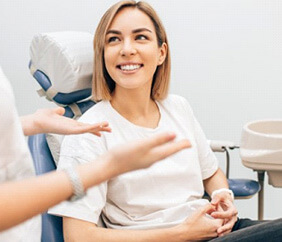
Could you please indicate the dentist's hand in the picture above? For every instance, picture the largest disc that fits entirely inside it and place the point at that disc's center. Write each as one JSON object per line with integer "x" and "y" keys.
{"x": 143, "y": 153}
{"x": 53, "y": 121}
{"x": 225, "y": 210}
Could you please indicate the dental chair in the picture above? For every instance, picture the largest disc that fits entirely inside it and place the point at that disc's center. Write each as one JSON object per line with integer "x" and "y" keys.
{"x": 62, "y": 65}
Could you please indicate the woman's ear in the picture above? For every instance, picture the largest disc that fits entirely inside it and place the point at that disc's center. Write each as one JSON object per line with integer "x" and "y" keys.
{"x": 162, "y": 53}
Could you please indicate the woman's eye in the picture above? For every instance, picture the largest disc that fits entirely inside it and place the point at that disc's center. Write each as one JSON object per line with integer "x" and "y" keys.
{"x": 113, "y": 39}
{"x": 141, "y": 37}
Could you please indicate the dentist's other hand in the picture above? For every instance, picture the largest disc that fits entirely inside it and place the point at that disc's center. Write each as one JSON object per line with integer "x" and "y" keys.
{"x": 53, "y": 121}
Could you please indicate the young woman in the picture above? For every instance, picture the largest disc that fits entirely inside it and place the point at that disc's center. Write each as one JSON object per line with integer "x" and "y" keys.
{"x": 164, "y": 202}
{"x": 23, "y": 196}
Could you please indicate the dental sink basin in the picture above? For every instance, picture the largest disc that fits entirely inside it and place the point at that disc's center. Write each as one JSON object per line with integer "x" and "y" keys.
{"x": 261, "y": 148}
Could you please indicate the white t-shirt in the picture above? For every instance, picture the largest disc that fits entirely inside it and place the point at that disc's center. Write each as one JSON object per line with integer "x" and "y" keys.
{"x": 15, "y": 161}
{"x": 161, "y": 196}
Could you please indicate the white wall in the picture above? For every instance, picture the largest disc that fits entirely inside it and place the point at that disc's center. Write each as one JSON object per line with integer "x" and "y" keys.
{"x": 227, "y": 61}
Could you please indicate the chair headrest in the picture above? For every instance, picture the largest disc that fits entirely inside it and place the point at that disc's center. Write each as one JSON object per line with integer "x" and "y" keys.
{"x": 62, "y": 63}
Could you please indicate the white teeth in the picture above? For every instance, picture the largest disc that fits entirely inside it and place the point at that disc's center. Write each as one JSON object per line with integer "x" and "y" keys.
{"x": 129, "y": 67}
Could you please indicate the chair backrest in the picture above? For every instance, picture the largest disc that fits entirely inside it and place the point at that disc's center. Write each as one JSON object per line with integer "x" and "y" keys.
{"x": 52, "y": 230}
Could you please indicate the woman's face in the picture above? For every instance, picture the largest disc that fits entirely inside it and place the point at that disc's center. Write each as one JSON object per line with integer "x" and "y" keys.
{"x": 131, "y": 50}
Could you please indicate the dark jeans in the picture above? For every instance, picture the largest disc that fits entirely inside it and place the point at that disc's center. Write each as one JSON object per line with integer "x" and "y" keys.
{"x": 246, "y": 230}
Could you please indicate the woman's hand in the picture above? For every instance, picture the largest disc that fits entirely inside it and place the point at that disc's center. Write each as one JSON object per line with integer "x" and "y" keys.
{"x": 143, "y": 153}
{"x": 53, "y": 121}
{"x": 200, "y": 226}
{"x": 225, "y": 210}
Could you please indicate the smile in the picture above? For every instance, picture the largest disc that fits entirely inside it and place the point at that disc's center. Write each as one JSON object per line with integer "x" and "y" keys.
{"x": 130, "y": 67}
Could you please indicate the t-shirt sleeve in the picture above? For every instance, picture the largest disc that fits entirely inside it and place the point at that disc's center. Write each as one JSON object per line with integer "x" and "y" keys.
{"x": 207, "y": 159}
{"x": 75, "y": 150}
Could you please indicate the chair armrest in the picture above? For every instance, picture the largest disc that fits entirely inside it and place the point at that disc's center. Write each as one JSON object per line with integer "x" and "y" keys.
{"x": 222, "y": 145}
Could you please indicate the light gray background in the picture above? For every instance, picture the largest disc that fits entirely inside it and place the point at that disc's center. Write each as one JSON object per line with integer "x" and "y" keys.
{"x": 226, "y": 55}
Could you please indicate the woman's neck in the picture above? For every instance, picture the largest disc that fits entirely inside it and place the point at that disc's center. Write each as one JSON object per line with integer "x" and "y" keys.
{"x": 137, "y": 107}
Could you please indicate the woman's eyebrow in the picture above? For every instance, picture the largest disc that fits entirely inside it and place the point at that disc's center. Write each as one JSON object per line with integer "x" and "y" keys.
{"x": 113, "y": 31}
{"x": 141, "y": 30}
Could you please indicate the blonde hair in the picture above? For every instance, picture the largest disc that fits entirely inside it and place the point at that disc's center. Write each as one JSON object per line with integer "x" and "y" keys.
{"x": 102, "y": 83}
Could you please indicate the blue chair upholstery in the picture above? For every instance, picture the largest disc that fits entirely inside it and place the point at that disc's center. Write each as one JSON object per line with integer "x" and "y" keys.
{"x": 52, "y": 230}
{"x": 243, "y": 188}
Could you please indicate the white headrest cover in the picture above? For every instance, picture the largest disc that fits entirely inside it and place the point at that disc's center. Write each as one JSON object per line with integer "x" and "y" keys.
{"x": 65, "y": 57}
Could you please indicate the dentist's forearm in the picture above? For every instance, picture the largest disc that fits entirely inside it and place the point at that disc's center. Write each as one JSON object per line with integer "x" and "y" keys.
{"x": 21, "y": 200}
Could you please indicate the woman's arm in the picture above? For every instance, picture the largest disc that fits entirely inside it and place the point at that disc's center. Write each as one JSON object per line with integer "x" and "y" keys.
{"x": 197, "y": 227}
{"x": 53, "y": 121}
{"x": 24, "y": 199}
{"x": 216, "y": 181}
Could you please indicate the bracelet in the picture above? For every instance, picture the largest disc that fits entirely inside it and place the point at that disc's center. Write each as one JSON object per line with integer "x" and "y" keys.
{"x": 77, "y": 186}
{"x": 223, "y": 190}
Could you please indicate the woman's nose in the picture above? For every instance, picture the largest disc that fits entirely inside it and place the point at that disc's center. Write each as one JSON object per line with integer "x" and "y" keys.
{"x": 128, "y": 48}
